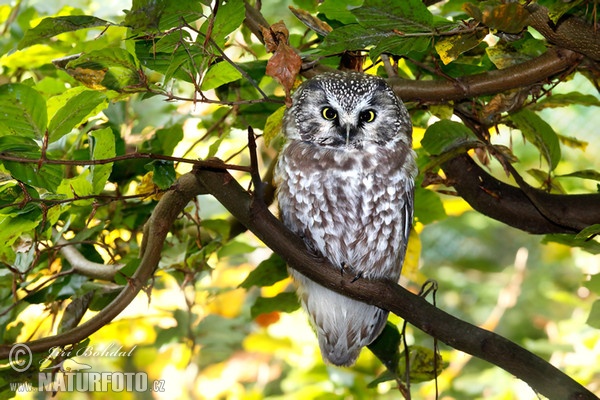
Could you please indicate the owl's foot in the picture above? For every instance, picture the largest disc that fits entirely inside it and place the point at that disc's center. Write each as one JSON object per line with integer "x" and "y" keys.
{"x": 345, "y": 267}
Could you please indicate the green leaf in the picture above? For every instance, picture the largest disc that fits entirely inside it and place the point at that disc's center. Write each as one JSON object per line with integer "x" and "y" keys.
{"x": 584, "y": 174}
{"x": 339, "y": 10}
{"x": 352, "y": 37}
{"x": 268, "y": 272}
{"x": 15, "y": 222}
{"x": 386, "y": 347}
{"x": 450, "y": 47}
{"x": 591, "y": 246}
{"x": 229, "y": 17}
{"x": 400, "y": 45}
{"x": 22, "y": 111}
{"x": 593, "y": 284}
{"x": 163, "y": 173}
{"x": 428, "y": 206}
{"x": 540, "y": 134}
{"x": 220, "y": 74}
{"x": 545, "y": 179}
{"x": 235, "y": 248}
{"x": 445, "y": 135}
{"x": 165, "y": 140}
{"x": 20, "y": 145}
{"x": 573, "y": 143}
{"x": 284, "y": 302}
{"x": 178, "y": 11}
{"x": 108, "y": 68}
{"x": 594, "y": 317}
{"x": 102, "y": 147}
{"x": 77, "y": 110}
{"x": 588, "y": 232}
{"x": 50, "y": 27}
{"x": 273, "y": 125}
{"x": 567, "y": 99}
{"x": 74, "y": 312}
{"x": 78, "y": 186}
{"x": 404, "y": 16}
{"x": 48, "y": 177}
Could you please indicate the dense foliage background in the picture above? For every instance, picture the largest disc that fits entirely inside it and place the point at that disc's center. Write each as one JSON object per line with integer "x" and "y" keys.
{"x": 104, "y": 105}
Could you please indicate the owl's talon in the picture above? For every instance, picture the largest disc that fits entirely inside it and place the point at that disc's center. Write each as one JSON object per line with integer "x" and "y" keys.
{"x": 343, "y": 267}
{"x": 356, "y": 277}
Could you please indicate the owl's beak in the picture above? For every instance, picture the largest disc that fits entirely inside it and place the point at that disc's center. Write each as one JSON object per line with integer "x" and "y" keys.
{"x": 350, "y": 131}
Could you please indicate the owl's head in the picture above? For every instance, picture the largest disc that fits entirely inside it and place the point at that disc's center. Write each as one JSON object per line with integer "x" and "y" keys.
{"x": 347, "y": 110}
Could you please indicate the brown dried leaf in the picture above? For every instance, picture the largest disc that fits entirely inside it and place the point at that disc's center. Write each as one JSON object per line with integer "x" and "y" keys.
{"x": 285, "y": 64}
{"x": 312, "y": 22}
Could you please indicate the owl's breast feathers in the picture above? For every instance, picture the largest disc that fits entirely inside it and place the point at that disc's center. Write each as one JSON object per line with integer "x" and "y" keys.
{"x": 352, "y": 206}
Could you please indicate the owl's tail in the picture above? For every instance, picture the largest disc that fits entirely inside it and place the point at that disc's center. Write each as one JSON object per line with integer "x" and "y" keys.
{"x": 344, "y": 326}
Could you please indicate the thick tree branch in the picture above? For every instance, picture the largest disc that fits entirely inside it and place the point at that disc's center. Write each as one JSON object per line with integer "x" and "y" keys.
{"x": 570, "y": 32}
{"x": 514, "y": 207}
{"x": 540, "y": 69}
{"x": 539, "y": 374}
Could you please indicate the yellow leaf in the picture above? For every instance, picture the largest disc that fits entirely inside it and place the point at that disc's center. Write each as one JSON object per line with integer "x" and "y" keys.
{"x": 273, "y": 125}
{"x": 410, "y": 268}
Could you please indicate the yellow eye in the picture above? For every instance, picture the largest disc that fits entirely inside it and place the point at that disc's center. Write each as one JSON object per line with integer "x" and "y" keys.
{"x": 328, "y": 113}
{"x": 367, "y": 116}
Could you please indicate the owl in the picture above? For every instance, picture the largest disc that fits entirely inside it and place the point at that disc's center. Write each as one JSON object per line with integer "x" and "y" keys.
{"x": 345, "y": 180}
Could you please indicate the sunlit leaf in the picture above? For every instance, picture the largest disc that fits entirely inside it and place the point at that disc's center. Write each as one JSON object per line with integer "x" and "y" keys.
{"x": 77, "y": 186}
{"x": 220, "y": 74}
{"x": 230, "y": 16}
{"x": 268, "y": 272}
{"x": 76, "y": 110}
{"x": 557, "y": 9}
{"x": 50, "y": 27}
{"x": 22, "y": 111}
{"x": 450, "y": 47}
{"x": 540, "y": 134}
{"x": 284, "y": 302}
{"x": 13, "y": 226}
{"x": 273, "y": 125}
{"x": 445, "y": 135}
{"x": 114, "y": 69}
{"x": 102, "y": 147}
